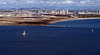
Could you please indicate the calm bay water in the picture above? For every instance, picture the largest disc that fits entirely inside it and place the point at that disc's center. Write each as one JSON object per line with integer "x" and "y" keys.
{"x": 77, "y": 39}
{"x": 87, "y": 23}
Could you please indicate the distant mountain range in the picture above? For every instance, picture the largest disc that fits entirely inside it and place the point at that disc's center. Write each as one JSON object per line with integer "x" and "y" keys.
{"x": 28, "y": 8}
{"x": 67, "y": 7}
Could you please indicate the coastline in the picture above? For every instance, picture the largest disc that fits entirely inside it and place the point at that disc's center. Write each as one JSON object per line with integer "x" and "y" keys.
{"x": 61, "y": 20}
{"x": 45, "y": 23}
{"x": 71, "y": 19}
{"x": 87, "y": 18}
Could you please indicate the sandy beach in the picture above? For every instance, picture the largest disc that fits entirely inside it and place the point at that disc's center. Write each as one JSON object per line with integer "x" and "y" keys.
{"x": 45, "y": 22}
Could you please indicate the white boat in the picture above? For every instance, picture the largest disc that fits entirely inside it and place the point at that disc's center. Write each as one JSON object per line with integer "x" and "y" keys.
{"x": 92, "y": 30}
{"x": 24, "y": 33}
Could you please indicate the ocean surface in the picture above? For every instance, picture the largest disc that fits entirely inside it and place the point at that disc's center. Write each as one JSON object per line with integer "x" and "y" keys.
{"x": 75, "y": 39}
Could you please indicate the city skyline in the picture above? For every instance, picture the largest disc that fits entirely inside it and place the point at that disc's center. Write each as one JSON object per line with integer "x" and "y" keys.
{"x": 51, "y": 4}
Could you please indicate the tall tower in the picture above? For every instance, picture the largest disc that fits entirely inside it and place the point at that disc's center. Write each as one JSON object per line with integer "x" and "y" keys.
{"x": 87, "y": 12}
{"x": 67, "y": 11}
{"x": 99, "y": 12}
{"x": 63, "y": 11}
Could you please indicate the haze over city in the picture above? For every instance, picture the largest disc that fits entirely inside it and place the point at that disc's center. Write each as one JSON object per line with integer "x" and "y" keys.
{"x": 50, "y": 4}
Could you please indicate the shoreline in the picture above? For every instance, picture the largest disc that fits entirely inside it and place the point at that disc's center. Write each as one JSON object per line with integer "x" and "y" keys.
{"x": 51, "y": 22}
{"x": 71, "y": 19}
{"x": 88, "y": 18}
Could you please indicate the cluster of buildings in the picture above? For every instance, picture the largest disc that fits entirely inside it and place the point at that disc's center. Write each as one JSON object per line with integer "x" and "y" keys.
{"x": 31, "y": 13}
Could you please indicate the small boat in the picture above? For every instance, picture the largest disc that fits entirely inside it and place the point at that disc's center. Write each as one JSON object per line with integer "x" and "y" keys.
{"x": 92, "y": 30}
{"x": 24, "y": 33}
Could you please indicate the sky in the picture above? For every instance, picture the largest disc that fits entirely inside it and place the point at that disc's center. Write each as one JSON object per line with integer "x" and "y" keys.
{"x": 56, "y": 4}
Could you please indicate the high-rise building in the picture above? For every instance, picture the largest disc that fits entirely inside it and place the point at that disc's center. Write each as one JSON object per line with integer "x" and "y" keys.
{"x": 63, "y": 12}
{"x": 99, "y": 12}
{"x": 67, "y": 11}
{"x": 87, "y": 12}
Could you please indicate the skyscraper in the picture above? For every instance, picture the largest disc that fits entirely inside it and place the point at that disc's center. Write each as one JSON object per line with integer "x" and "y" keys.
{"x": 99, "y": 12}
{"x": 87, "y": 12}
{"x": 67, "y": 11}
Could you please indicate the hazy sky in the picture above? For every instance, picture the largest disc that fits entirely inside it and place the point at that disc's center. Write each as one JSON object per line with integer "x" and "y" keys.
{"x": 47, "y": 3}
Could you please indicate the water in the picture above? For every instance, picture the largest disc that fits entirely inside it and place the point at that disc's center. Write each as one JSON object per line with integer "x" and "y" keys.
{"x": 88, "y": 23}
{"x": 78, "y": 39}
